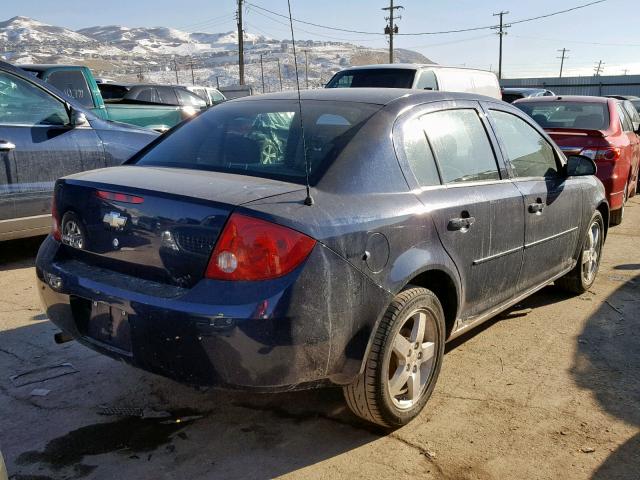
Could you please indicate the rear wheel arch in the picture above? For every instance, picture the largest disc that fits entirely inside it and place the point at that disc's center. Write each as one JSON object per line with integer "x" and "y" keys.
{"x": 603, "y": 208}
{"x": 445, "y": 288}
{"x": 443, "y": 284}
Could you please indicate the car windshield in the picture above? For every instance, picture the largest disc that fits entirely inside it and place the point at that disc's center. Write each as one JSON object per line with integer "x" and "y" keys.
{"x": 262, "y": 138}
{"x": 558, "y": 114}
{"x": 373, "y": 77}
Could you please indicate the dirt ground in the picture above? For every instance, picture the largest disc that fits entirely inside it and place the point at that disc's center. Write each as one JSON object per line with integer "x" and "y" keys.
{"x": 551, "y": 392}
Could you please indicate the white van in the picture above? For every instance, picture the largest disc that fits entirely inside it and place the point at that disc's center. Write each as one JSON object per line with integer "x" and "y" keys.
{"x": 422, "y": 77}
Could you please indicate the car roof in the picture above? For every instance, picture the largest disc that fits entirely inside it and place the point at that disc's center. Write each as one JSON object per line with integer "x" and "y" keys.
{"x": 568, "y": 98}
{"x": 377, "y": 96}
{"x": 522, "y": 90}
{"x": 406, "y": 66}
{"x": 46, "y": 66}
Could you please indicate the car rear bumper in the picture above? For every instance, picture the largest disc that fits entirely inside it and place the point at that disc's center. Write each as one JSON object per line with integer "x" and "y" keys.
{"x": 305, "y": 327}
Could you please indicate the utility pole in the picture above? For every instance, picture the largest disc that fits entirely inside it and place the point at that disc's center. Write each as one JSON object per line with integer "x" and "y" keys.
{"x": 217, "y": 82}
{"x": 391, "y": 28}
{"x": 501, "y": 32}
{"x": 262, "y": 72}
{"x": 279, "y": 73}
{"x": 240, "y": 43}
{"x": 175, "y": 66}
{"x": 625, "y": 71}
{"x": 562, "y": 59}
{"x": 598, "y": 68}
{"x": 140, "y": 74}
{"x": 193, "y": 78}
{"x": 306, "y": 68}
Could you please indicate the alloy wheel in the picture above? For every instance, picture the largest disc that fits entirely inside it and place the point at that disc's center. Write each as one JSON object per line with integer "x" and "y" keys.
{"x": 412, "y": 359}
{"x": 591, "y": 252}
{"x": 72, "y": 234}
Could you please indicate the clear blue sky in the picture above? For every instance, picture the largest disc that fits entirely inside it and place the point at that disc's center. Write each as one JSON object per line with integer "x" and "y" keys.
{"x": 530, "y": 48}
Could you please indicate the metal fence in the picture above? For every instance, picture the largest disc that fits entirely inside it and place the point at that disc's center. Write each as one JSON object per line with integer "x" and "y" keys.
{"x": 602, "y": 85}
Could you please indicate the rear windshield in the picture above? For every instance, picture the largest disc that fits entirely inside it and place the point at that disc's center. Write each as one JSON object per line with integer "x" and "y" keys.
{"x": 372, "y": 77}
{"x": 590, "y": 116}
{"x": 262, "y": 138}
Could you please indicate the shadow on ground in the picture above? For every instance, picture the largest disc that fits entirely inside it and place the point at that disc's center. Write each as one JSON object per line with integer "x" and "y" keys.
{"x": 607, "y": 362}
{"x": 19, "y": 253}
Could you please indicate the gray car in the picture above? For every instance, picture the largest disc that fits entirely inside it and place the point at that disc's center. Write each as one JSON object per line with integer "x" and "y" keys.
{"x": 45, "y": 135}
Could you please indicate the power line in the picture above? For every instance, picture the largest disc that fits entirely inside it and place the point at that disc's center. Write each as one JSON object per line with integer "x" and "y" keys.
{"x": 546, "y": 15}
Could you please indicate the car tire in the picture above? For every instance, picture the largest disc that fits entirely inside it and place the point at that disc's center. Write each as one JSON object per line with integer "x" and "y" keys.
{"x": 617, "y": 215}
{"x": 581, "y": 278}
{"x": 404, "y": 361}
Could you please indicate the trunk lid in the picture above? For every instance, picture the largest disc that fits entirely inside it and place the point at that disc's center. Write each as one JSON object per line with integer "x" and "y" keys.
{"x": 572, "y": 140}
{"x": 159, "y": 224}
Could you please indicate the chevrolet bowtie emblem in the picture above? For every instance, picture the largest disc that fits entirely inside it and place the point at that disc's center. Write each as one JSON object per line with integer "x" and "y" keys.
{"x": 114, "y": 220}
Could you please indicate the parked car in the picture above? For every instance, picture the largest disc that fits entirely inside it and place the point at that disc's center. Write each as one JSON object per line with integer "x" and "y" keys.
{"x": 599, "y": 128}
{"x": 113, "y": 91}
{"x": 401, "y": 244}
{"x": 45, "y": 135}
{"x": 78, "y": 82}
{"x": 511, "y": 94}
{"x": 166, "y": 95}
{"x": 421, "y": 77}
{"x": 623, "y": 97}
{"x": 209, "y": 94}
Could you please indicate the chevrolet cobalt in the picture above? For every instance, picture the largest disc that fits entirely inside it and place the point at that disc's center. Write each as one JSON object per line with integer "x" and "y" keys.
{"x": 382, "y": 223}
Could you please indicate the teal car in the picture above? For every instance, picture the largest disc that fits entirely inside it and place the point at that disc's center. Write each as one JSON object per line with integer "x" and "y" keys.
{"x": 77, "y": 82}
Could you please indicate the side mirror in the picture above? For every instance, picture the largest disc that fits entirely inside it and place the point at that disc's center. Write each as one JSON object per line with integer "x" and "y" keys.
{"x": 579, "y": 165}
{"x": 78, "y": 119}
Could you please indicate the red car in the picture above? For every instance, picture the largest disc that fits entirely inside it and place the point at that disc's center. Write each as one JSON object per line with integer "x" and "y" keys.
{"x": 599, "y": 128}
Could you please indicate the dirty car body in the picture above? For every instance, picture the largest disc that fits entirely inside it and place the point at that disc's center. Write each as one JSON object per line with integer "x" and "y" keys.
{"x": 150, "y": 282}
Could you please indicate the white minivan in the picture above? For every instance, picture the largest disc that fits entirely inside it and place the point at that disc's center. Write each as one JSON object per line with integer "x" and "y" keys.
{"x": 422, "y": 77}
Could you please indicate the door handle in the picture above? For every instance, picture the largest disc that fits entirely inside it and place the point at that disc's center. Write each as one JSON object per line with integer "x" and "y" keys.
{"x": 5, "y": 146}
{"x": 536, "y": 207}
{"x": 460, "y": 223}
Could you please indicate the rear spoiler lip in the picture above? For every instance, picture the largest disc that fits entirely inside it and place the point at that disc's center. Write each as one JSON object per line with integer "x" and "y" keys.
{"x": 578, "y": 132}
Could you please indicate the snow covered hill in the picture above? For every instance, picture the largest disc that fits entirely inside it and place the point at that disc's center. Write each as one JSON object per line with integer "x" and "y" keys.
{"x": 162, "y": 54}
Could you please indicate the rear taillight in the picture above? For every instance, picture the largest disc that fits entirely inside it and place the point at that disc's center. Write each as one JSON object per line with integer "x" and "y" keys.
{"x": 254, "y": 249}
{"x": 604, "y": 154}
{"x": 55, "y": 220}
{"x": 119, "y": 197}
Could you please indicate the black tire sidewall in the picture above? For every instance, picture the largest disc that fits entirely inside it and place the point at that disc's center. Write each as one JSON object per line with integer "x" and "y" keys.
{"x": 392, "y": 414}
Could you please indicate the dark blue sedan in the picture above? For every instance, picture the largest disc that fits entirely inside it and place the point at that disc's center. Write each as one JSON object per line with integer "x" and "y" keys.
{"x": 45, "y": 135}
{"x": 206, "y": 260}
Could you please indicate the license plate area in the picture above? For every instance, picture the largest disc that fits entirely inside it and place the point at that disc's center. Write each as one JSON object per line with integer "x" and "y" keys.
{"x": 103, "y": 323}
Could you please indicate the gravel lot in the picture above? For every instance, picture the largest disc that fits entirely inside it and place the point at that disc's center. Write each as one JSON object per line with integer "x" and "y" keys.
{"x": 550, "y": 389}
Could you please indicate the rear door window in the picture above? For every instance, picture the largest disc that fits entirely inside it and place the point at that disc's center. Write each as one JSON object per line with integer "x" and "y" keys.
{"x": 414, "y": 146}
{"x": 427, "y": 80}
{"x": 167, "y": 96}
{"x": 461, "y": 146}
{"x": 148, "y": 94}
{"x": 624, "y": 118}
{"x": 73, "y": 84}
{"x": 187, "y": 98}
{"x": 529, "y": 152}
